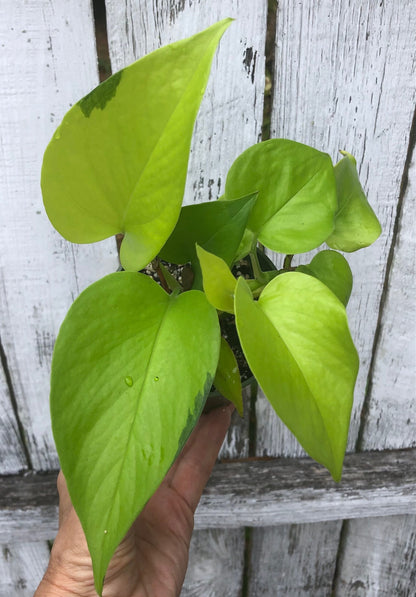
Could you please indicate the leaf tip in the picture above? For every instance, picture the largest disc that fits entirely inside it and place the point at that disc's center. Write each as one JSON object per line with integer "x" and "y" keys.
{"x": 99, "y": 585}
{"x": 348, "y": 155}
{"x": 220, "y": 26}
{"x": 336, "y": 475}
{"x": 336, "y": 468}
{"x": 228, "y": 21}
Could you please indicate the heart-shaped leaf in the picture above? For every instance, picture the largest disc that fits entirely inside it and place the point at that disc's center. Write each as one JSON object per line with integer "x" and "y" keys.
{"x": 333, "y": 270}
{"x": 118, "y": 161}
{"x": 296, "y": 203}
{"x": 297, "y": 343}
{"x": 219, "y": 283}
{"x": 356, "y": 225}
{"x": 128, "y": 385}
{"x": 227, "y": 378}
{"x": 217, "y": 226}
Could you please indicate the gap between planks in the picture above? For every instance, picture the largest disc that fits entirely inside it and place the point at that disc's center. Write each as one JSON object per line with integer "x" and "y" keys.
{"x": 251, "y": 492}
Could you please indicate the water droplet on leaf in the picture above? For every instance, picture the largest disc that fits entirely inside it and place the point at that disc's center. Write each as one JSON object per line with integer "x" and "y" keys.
{"x": 105, "y": 531}
{"x": 147, "y": 452}
{"x": 156, "y": 378}
{"x": 129, "y": 381}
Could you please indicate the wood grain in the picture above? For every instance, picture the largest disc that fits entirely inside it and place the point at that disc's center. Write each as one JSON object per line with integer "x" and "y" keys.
{"x": 378, "y": 559}
{"x": 21, "y": 567}
{"x": 344, "y": 79}
{"x": 216, "y": 560}
{"x": 278, "y": 491}
{"x": 48, "y": 61}
{"x": 282, "y": 549}
{"x": 391, "y": 409}
{"x": 251, "y": 492}
{"x": 12, "y": 455}
{"x": 378, "y": 556}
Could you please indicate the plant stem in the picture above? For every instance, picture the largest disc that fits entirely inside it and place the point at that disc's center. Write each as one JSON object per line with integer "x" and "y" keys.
{"x": 287, "y": 262}
{"x": 256, "y": 293}
{"x": 158, "y": 269}
{"x": 258, "y": 274}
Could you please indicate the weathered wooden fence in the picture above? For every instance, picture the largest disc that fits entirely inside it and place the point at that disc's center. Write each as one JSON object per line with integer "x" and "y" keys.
{"x": 342, "y": 76}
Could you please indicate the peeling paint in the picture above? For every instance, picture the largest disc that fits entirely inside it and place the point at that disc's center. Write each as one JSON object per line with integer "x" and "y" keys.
{"x": 249, "y": 62}
{"x": 176, "y": 8}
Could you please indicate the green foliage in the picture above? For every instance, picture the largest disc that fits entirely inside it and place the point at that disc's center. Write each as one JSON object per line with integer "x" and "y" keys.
{"x": 296, "y": 203}
{"x": 219, "y": 283}
{"x": 128, "y": 385}
{"x": 297, "y": 343}
{"x": 227, "y": 378}
{"x": 333, "y": 270}
{"x": 217, "y": 226}
{"x": 94, "y": 187}
{"x": 356, "y": 225}
{"x": 134, "y": 362}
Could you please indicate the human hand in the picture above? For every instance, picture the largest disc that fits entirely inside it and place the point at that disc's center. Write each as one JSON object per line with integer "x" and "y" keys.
{"x": 151, "y": 560}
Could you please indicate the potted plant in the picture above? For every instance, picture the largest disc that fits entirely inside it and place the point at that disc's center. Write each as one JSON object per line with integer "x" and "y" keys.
{"x": 140, "y": 350}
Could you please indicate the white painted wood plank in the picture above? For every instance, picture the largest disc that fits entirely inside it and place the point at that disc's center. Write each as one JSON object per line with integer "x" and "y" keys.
{"x": 273, "y": 438}
{"x": 22, "y": 566}
{"x": 391, "y": 414}
{"x": 47, "y": 62}
{"x": 344, "y": 79}
{"x": 248, "y": 492}
{"x": 379, "y": 556}
{"x": 287, "y": 491}
{"x": 283, "y": 548}
{"x": 12, "y": 456}
{"x": 216, "y": 561}
{"x": 379, "y": 559}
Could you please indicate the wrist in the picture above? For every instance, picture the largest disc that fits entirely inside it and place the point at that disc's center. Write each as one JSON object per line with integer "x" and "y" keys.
{"x": 56, "y": 584}
{"x": 50, "y": 587}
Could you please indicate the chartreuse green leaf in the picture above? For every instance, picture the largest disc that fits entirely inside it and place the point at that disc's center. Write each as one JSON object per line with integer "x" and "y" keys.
{"x": 227, "y": 378}
{"x": 218, "y": 226}
{"x": 356, "y": 225}
{"x": 333, "y": 270}
{"x": 297, "y": 343}
{"x": 128, "y": 385}
{"x": 118, "y": 161}
{"x": 296, "y": 203}
{"x": 219, "y": 283}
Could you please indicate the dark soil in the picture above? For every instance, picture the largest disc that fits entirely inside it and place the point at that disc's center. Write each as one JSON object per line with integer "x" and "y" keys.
{"x": 229, "y": 332}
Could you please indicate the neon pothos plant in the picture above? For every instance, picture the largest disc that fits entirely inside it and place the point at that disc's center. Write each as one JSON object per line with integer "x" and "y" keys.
{"x": 135, "y": 360}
